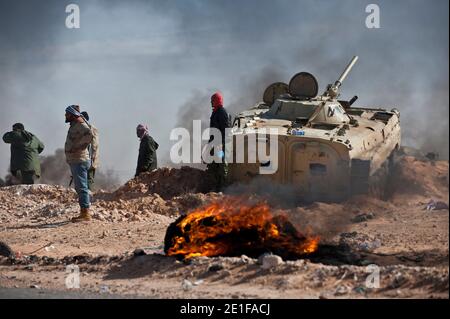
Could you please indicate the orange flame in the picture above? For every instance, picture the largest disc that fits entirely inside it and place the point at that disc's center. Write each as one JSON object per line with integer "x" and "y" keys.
{"x": 234, "y": 227}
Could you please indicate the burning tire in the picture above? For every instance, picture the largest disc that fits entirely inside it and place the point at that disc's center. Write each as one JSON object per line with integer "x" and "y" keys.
{"x": 233, "y": 228}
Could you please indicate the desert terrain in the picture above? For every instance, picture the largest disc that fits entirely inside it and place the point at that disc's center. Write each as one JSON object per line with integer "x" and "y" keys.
{"x": 121, "y": 251}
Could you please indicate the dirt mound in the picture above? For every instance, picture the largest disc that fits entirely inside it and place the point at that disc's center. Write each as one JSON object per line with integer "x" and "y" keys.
{"x": 423, "y": 178}
{"x": 167, "y": 183}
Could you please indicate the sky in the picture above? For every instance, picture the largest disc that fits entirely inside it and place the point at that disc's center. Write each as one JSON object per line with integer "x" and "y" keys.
{"x": 157, "y": 62}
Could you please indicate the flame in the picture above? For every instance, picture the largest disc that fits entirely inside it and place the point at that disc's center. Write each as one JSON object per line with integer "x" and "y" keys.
{"x": 233, "y": 227}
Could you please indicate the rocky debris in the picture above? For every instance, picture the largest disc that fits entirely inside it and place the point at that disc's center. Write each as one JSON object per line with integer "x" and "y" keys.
{"x": 359, "y": 241}
{"x": 362, "y": 217}
{"x": 369, "y": 246}
{"x": 104, "y": 289}
{"x": 198, "y": 282}
{"x": 134, "y": 210}
{"x": 187, "y": 285}
{"x": 247, "y": 260}
{"x": 341, "y": 290}
{"x": 139, "y": 252}
{"x": 138, "y": 200}
{"x": 216, "y": 267}
{"x": 269, "y": 261}
{"x": 335, "y": 281}
{"x": 436, "y": 205}
{"x": 46, "y": 205}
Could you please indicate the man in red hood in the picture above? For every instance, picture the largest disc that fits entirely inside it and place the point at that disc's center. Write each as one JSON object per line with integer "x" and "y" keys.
{"x": 219, "y": 120}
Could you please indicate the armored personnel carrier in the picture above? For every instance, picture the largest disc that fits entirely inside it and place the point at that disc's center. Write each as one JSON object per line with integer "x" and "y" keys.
{"x": 328, "y": 149}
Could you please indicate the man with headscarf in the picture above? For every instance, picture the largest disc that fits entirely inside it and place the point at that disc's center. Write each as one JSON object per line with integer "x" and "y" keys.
{"x": 25, "y": 150}
{"x": 147, "y": 160}
{"x": 219, "y": 120}
{"x": 93, "y": 152}
{"x": 79, "y": 137}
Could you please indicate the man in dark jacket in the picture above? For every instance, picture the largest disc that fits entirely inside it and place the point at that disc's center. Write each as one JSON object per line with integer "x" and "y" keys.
{"x": 25, "y": 150}
{"x": 147, "y": 160}
{"x": 219, "y": 120}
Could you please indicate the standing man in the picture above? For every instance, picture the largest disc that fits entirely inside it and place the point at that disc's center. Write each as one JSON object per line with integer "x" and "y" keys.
{"x": 219, "y": 120}
{"x": 79, "y": 137}
{"x": 147, "y": 160}
{"x": 93, "y": 152}
{"x": 25, "y": 150}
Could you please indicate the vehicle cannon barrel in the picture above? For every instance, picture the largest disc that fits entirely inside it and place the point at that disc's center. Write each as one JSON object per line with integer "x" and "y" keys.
{"x": 333, "y": 89}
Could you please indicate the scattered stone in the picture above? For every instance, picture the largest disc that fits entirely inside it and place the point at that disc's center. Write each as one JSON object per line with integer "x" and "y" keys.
{"x": 187, "y": 285}
{"x": 349, "y": 235}
{"x": 246, "y": 260}
{"x": 30, "y": 267}
{"x": 200, "y": 260}
{"x": 104, "y": 289}
{"x": 362, "y": 217}
{"x": 49, "y": 248}
{"x": 341, "y": 290}
{"x": 269, "y": 261}
{"x": 436, "y": 205}
{"x": 136, "y": 218}
{"x": 198, "y": 282}
{"x": 369, "y": 246}
{"x": 139, "y": 252}
{"x": 216, "y": 267}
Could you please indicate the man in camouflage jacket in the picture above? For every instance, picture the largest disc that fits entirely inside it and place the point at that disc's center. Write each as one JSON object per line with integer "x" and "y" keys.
{"x": 79, "y": 137}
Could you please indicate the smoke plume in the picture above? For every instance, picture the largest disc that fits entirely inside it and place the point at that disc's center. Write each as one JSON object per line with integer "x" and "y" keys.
{"x": 148, "y": 67}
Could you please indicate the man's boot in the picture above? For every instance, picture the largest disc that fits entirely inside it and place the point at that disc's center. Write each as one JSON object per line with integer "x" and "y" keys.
{"x": 84, "y": 216}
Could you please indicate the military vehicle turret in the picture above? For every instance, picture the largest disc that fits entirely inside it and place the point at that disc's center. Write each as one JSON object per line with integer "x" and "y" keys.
{"x": 328, "y": 149}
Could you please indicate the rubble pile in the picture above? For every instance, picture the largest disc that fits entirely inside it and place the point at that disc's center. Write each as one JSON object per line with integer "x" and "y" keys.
{"x": 132, "y": 202}
{"x": 35, "y": 202}
{"x": 167, "y": 182}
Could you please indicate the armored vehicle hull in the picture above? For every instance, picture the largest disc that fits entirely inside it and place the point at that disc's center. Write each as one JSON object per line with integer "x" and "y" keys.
{"x": 327, "y": 149}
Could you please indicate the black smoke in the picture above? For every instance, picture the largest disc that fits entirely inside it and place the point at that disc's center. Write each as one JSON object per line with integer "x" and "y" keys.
{"x": 141, "y": 60}
{"x": 55, "y": 171}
